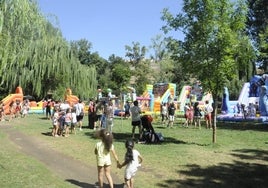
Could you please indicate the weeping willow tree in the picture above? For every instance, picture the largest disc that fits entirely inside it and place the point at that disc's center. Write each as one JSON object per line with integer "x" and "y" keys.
{"x": 35, "y": 56}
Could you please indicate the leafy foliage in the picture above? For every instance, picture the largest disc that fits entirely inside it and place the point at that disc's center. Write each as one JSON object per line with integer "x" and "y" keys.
{"x": 213, "y": 32}
{"x": 214, "y": 38}
{"x": 34, "y": 55}
{"x": 257, "y": 23}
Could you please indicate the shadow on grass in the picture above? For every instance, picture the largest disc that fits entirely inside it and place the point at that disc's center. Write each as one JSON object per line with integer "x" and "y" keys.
{"x": 243, "y": 126}
{"x": 240, "y": 173}
{"x": 47, "y": 134}
{"x": 119, "y": 137}
{"x": 251, "y": 154}
{"x": 87, "y": 185}
{"x": 122, "y": 137}
{"x": 43, "y": 118}
{"x": 171, "y": 140}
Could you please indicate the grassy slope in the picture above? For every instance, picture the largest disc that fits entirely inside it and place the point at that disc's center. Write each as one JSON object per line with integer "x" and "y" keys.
{"x": 187, "y": 158}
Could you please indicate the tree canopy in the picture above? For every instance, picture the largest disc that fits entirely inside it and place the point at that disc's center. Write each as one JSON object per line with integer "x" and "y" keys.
{"x": 34, "y": 55}
{"x": 214, "y": 37}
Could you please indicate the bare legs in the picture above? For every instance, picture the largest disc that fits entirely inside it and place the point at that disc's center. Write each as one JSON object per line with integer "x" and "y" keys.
{"x": 133, "y": 131}
{"x": 129, "y": 183}
{"x": 107, "y": 171}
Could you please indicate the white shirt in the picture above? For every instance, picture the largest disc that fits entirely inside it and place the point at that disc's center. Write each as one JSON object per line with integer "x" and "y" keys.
{"x": 79, "y": 108}
{"x": 134, "y": 164}
{"x": 74, "y": 120}
{"x": 64, "y": 106}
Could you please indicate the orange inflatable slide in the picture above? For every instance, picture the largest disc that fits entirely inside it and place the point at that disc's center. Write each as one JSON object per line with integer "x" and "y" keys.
{"x": 17, "y": 96}
{"x": 71, "y": 99}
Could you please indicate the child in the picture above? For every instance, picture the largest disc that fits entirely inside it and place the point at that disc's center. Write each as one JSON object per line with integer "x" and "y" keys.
{"x": 61, "y": 122}
{"x": 197, "y": 115}
{"x": 55, "y": 122}
{"x": 67, "y": 122}
{"x": 25, "y": 109}
{"x": 133, "y": 160}
{"x": 102, "y": 151}
{"x": 2, "y": 111}
{"x": 74, "y": 121}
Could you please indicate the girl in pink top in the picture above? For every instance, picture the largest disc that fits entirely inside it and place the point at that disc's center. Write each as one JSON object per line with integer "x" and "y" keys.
{"x": 67, "y": 122}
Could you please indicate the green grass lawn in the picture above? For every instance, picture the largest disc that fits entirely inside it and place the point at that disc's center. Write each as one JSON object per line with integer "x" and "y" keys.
{"x": 187, "y": 157}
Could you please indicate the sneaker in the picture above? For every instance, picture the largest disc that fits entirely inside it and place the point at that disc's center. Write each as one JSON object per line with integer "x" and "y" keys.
{"x": 80, "y": 129}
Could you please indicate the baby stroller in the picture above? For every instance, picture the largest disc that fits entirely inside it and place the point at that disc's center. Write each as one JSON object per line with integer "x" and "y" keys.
{"x": 148, "y": 133}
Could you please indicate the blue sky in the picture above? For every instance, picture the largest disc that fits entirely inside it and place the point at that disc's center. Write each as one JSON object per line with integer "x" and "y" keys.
{"x": 110, "y": 24}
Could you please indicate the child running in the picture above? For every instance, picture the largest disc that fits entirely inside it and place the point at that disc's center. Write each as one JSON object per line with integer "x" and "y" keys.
{"x": 102, "y": 151}
{"x": 133, "y": 160}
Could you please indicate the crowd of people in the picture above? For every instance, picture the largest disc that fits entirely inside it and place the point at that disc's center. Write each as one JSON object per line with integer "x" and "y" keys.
{"x": 65, "y": 118}
{"x": 16, "y": 109}
{"x": 101, "y": 114}
{"x": 193, "y": 114}
{"x": 168, "y": 114}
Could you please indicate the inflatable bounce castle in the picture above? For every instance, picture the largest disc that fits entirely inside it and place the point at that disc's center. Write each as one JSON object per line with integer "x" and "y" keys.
{"x": 252, "y": 104}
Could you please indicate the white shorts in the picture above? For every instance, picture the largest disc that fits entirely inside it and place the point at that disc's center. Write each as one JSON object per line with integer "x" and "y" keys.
{"x": 171, "y": 117}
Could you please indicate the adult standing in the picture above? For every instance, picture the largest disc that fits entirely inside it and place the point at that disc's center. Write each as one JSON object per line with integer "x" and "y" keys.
{"x": 135, "y": 112}
{"x": 127, "y": 107}
{"x": 186, "y": 114}
{"x": 99, "y": 113}
{"x": 164, "y": 113}
{"x": 109, "y": 113}
{"x": 91, "y": 114}
{"x": 208, "y": 111}
{"x": 171, "y": 114}
{"x": 191, "y": 114}
{"x": 48, "y": 109}
{"x": 79, "y": 107}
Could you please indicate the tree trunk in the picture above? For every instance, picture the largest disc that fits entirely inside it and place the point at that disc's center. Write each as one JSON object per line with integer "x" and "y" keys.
{"x": 214, "y": 136}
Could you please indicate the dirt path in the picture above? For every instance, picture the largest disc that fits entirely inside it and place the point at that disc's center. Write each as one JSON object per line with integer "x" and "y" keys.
{"x": 70, "y": 169}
